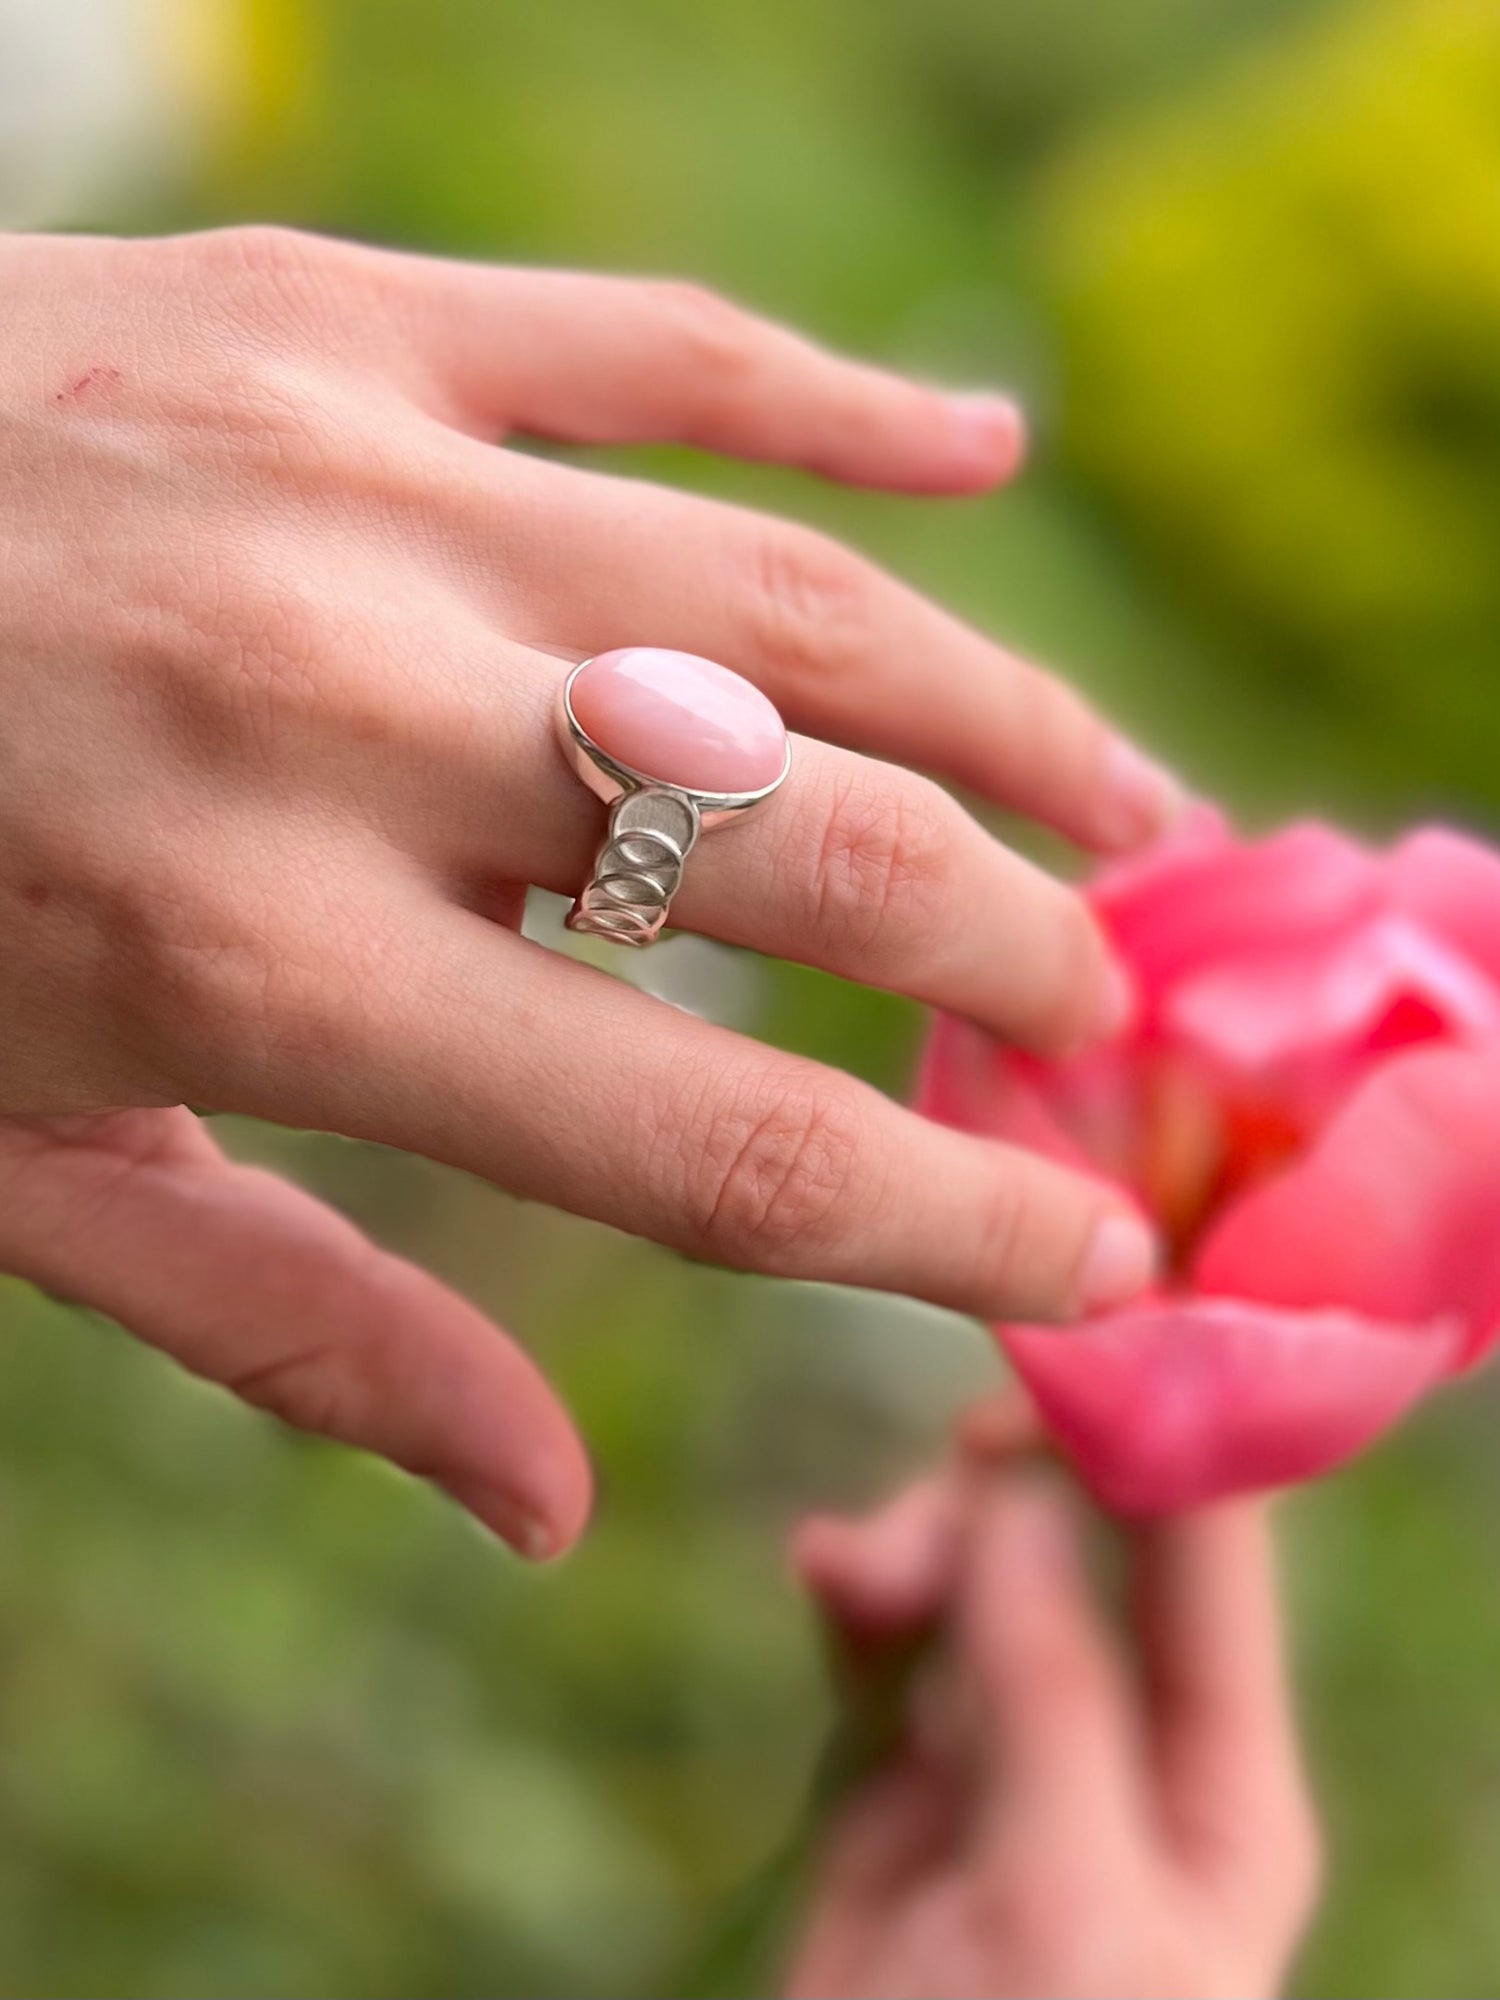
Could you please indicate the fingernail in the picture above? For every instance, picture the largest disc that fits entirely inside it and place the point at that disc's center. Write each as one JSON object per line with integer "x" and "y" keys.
{"x": 1116, "y": 1001}
{"x": 527, "y": 1533}
{"x": 995, "y": 423}
{"x": 1140, "y": 799}
{"x": 1119, "y": 1264}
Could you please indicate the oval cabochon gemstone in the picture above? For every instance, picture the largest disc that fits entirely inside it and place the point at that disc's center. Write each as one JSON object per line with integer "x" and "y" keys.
{"x": 680, "y": 719}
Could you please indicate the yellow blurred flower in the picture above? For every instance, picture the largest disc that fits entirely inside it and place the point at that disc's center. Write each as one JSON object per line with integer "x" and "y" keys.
{"x": 1280, "y": 301}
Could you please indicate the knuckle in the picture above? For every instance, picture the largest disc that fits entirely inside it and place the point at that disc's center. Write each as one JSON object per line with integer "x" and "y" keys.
{"x": 276, "y": 417}
{"x": 883, "y": 865}
{"x": 234, "y": 660}
{"x": 1025, "y": 1906}
{"x": 330, "y": 1387}
{"x": 811, "y": 606}
{"x": 776, "y": 1167}
{"x": 1064, "y": 735}
{"x": 265, "y": 283}
{"x": 267, "y": 412}
{"x": 715, "y": 340}
{"x": 221, "y": 991}
{"x": 190, "y": 970}
{"x": 307, "y": 1387}
{"x": 261, "y": 251}
{"x": 1007, "y": 1234}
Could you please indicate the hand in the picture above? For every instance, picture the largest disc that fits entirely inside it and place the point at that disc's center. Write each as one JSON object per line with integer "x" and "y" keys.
{"x": 280, "y": 636}
{"x": 1061, "y": 1819}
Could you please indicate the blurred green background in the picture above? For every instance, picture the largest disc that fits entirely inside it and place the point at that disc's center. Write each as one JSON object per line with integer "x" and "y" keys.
{"x": 278, "y": 1723}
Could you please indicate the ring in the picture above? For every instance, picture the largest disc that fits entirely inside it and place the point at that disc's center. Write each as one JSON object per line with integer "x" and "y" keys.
{"x": 673, "y": 744}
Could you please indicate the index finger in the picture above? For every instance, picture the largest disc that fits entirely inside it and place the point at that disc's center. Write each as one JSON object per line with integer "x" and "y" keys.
{"x": 594, "y": 359}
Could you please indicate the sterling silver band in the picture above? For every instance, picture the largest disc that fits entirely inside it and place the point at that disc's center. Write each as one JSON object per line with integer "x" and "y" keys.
{"x": 652, "y": 831}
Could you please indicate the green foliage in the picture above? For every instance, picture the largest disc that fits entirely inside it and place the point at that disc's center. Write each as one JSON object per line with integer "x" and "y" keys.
{"x": 1280, "y": 302}
{"x": 277, "y": 1722}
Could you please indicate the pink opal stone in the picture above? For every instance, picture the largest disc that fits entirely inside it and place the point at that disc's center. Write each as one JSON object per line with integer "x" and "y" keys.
{"x": 680, "y": 719}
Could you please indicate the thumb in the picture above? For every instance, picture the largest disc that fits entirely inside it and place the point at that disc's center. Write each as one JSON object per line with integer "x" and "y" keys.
{"x": 252, "y": 1283}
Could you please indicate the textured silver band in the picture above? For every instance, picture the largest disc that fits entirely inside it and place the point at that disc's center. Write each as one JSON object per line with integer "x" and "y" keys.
{"x": 652, "y": 831}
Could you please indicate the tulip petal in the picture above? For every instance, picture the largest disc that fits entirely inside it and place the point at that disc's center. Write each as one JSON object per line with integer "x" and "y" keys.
{"x": 1208, "y": 901}
{"x": 1171, "y": 1405}
{"x": 1395, "y": 1212}
{"x": 1451, "y": 885}
{"x": 1299, "y": 997}
{"x": 1389, "y": 982}
{"x": 972, "y": 1082}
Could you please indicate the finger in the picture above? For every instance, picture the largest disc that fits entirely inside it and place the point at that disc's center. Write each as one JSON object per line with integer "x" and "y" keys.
{"x": 1223, "y": 1729}
{"x": 1052, "y": 1711}
{"x": 884, "y": 1582}
{"x": 844, "y": 650}
{"x": 458, "y": 1040}
{"x": 606, "y": 360}
{"x": 889, "y": 1574}
{"x": 248, "y": 1281}
{"x": 876, "y": 875}
{"x": 859, "y": 868}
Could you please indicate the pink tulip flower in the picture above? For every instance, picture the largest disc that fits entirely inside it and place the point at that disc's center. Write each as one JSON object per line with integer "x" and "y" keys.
{"x": 1308, "y": 1106}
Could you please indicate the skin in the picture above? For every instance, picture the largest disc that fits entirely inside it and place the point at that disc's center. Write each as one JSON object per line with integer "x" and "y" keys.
{"x": 1073, "y": 1810}
{"x": 280, "y": 635}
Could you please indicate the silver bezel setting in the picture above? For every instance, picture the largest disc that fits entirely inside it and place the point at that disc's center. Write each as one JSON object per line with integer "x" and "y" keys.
{"x": 610, "y": 780}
